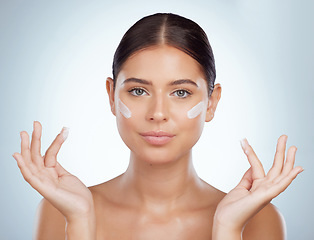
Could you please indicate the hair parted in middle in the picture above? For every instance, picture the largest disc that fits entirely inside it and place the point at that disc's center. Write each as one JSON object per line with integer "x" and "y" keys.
{"x": 167, "y": 29}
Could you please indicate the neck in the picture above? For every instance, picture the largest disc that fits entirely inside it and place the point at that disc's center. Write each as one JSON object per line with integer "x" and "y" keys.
{"x": 161, "y": 184}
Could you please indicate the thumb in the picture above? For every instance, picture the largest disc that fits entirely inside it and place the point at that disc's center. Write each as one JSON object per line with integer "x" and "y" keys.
{"x": 247, "y": 180}
{"x": 60, "y": 170}
{"x": 256, "y": 165}
{"x": 51, "y": 153}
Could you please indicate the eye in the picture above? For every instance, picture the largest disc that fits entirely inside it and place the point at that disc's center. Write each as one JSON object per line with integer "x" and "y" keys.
{"x": 137, "y": 91}
{"x": 181, "y": 93}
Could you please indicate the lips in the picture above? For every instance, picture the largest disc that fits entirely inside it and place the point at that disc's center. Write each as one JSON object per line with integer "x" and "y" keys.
{"x": 157, "y": 137}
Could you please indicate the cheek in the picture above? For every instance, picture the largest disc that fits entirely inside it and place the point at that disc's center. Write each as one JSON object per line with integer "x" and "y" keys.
{"x": 196, "y": 110}
{"x": 190, "y": 120}
{"x": 189, "y": 114}
{"x": 125, "y": 128}
{"x": 192, "y": 126}
{"x": 123, "y": 109}
{"x": 128, "y": 118}
{"x": 191, "y": 131}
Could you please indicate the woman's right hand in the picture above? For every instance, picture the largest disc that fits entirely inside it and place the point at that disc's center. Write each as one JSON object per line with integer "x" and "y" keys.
{"x": 62, "y": 189}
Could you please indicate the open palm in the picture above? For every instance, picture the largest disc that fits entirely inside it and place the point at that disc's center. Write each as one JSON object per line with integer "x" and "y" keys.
{"x": 62, "y": 189}
{"x": 256, "y": 189}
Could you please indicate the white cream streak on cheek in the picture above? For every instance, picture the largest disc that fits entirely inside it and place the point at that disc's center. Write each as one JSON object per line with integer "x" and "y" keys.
{"x": 196, "y": 110}
{"x": 124, "y": 109}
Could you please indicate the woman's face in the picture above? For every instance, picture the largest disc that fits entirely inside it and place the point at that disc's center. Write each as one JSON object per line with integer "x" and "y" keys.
{"x": 161, "y": 103}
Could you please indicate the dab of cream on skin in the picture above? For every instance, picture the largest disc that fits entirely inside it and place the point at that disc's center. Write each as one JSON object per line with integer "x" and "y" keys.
{"x": 125, "y": 111}
{"x": 192, "y": 113}
{"x": 196, "y": 110}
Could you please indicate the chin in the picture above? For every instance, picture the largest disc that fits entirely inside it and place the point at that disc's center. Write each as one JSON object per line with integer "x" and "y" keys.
{"x": 159, "y": 156}
{"x": 157, "y": 160}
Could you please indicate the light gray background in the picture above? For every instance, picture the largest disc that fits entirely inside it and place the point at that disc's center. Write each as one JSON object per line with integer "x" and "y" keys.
{"x": 56, "y": 55}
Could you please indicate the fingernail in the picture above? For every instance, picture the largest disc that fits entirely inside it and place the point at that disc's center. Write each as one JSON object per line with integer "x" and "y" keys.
{"x": 242, "y": 143}
{"x": 65, "y": 133}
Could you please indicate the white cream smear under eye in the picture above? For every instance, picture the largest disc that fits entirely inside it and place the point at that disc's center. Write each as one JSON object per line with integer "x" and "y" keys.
{"x": 124, "y": 110}
{"x": 196, "y": 110}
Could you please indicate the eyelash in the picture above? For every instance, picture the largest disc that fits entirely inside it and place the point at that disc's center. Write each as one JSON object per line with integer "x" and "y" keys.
{"x": 132, "y": 91}
{"x": 187, "y": 93}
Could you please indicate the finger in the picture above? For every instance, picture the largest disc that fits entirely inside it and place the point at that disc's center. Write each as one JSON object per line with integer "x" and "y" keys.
{"x": 36, "y": 144}
{"x": 25, "y": 151}
{"x": 257, "y": 167}
{"x": 288, "y": 164}
{"x": 29, "y": 172}
{"x": 290, "y": 160}
{"x": 52, "y": 151}
{"x": 246, "y": 181}
{"x": 26, "y": 172}
{"x": 286, "y": 181}
{"x": 279, "y": 157}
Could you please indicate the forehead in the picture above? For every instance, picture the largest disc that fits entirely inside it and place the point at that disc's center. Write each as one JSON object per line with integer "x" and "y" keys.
{"x": 161, "y": 64}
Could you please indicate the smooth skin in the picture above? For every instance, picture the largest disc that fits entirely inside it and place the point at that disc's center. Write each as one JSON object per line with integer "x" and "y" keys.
{"x": 160, "y": 196}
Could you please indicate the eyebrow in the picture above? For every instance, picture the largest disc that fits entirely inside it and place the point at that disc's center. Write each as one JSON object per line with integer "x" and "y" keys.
{"x": 183, "y": 81}
{"x": 176, "y": 82}
{"x": 137, "y": 80}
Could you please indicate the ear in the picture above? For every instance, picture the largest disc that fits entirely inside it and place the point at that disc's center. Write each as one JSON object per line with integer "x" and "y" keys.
{"x": 110, "y": 91}
{"x": 213, "y": 102}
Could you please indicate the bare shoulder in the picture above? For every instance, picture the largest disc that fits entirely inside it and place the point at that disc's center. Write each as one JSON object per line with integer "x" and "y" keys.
{"x": 266, "y": 224}
{"x": 49, "y": 222}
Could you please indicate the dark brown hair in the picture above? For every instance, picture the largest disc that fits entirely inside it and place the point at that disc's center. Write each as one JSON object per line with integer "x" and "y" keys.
{"x": 169, "y": 29}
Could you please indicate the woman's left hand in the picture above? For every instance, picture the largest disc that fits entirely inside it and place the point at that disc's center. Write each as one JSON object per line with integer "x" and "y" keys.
{"x": 256, "y": 189}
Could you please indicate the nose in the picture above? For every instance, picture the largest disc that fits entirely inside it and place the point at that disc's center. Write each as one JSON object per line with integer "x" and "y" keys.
{"x": 158, "y": 109}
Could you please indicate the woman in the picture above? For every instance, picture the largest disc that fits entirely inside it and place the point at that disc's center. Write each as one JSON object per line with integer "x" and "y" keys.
{"x": 161, "y": 93}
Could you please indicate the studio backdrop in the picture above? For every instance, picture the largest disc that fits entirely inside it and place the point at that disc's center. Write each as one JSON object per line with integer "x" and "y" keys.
{"x": 54, "y": 60}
